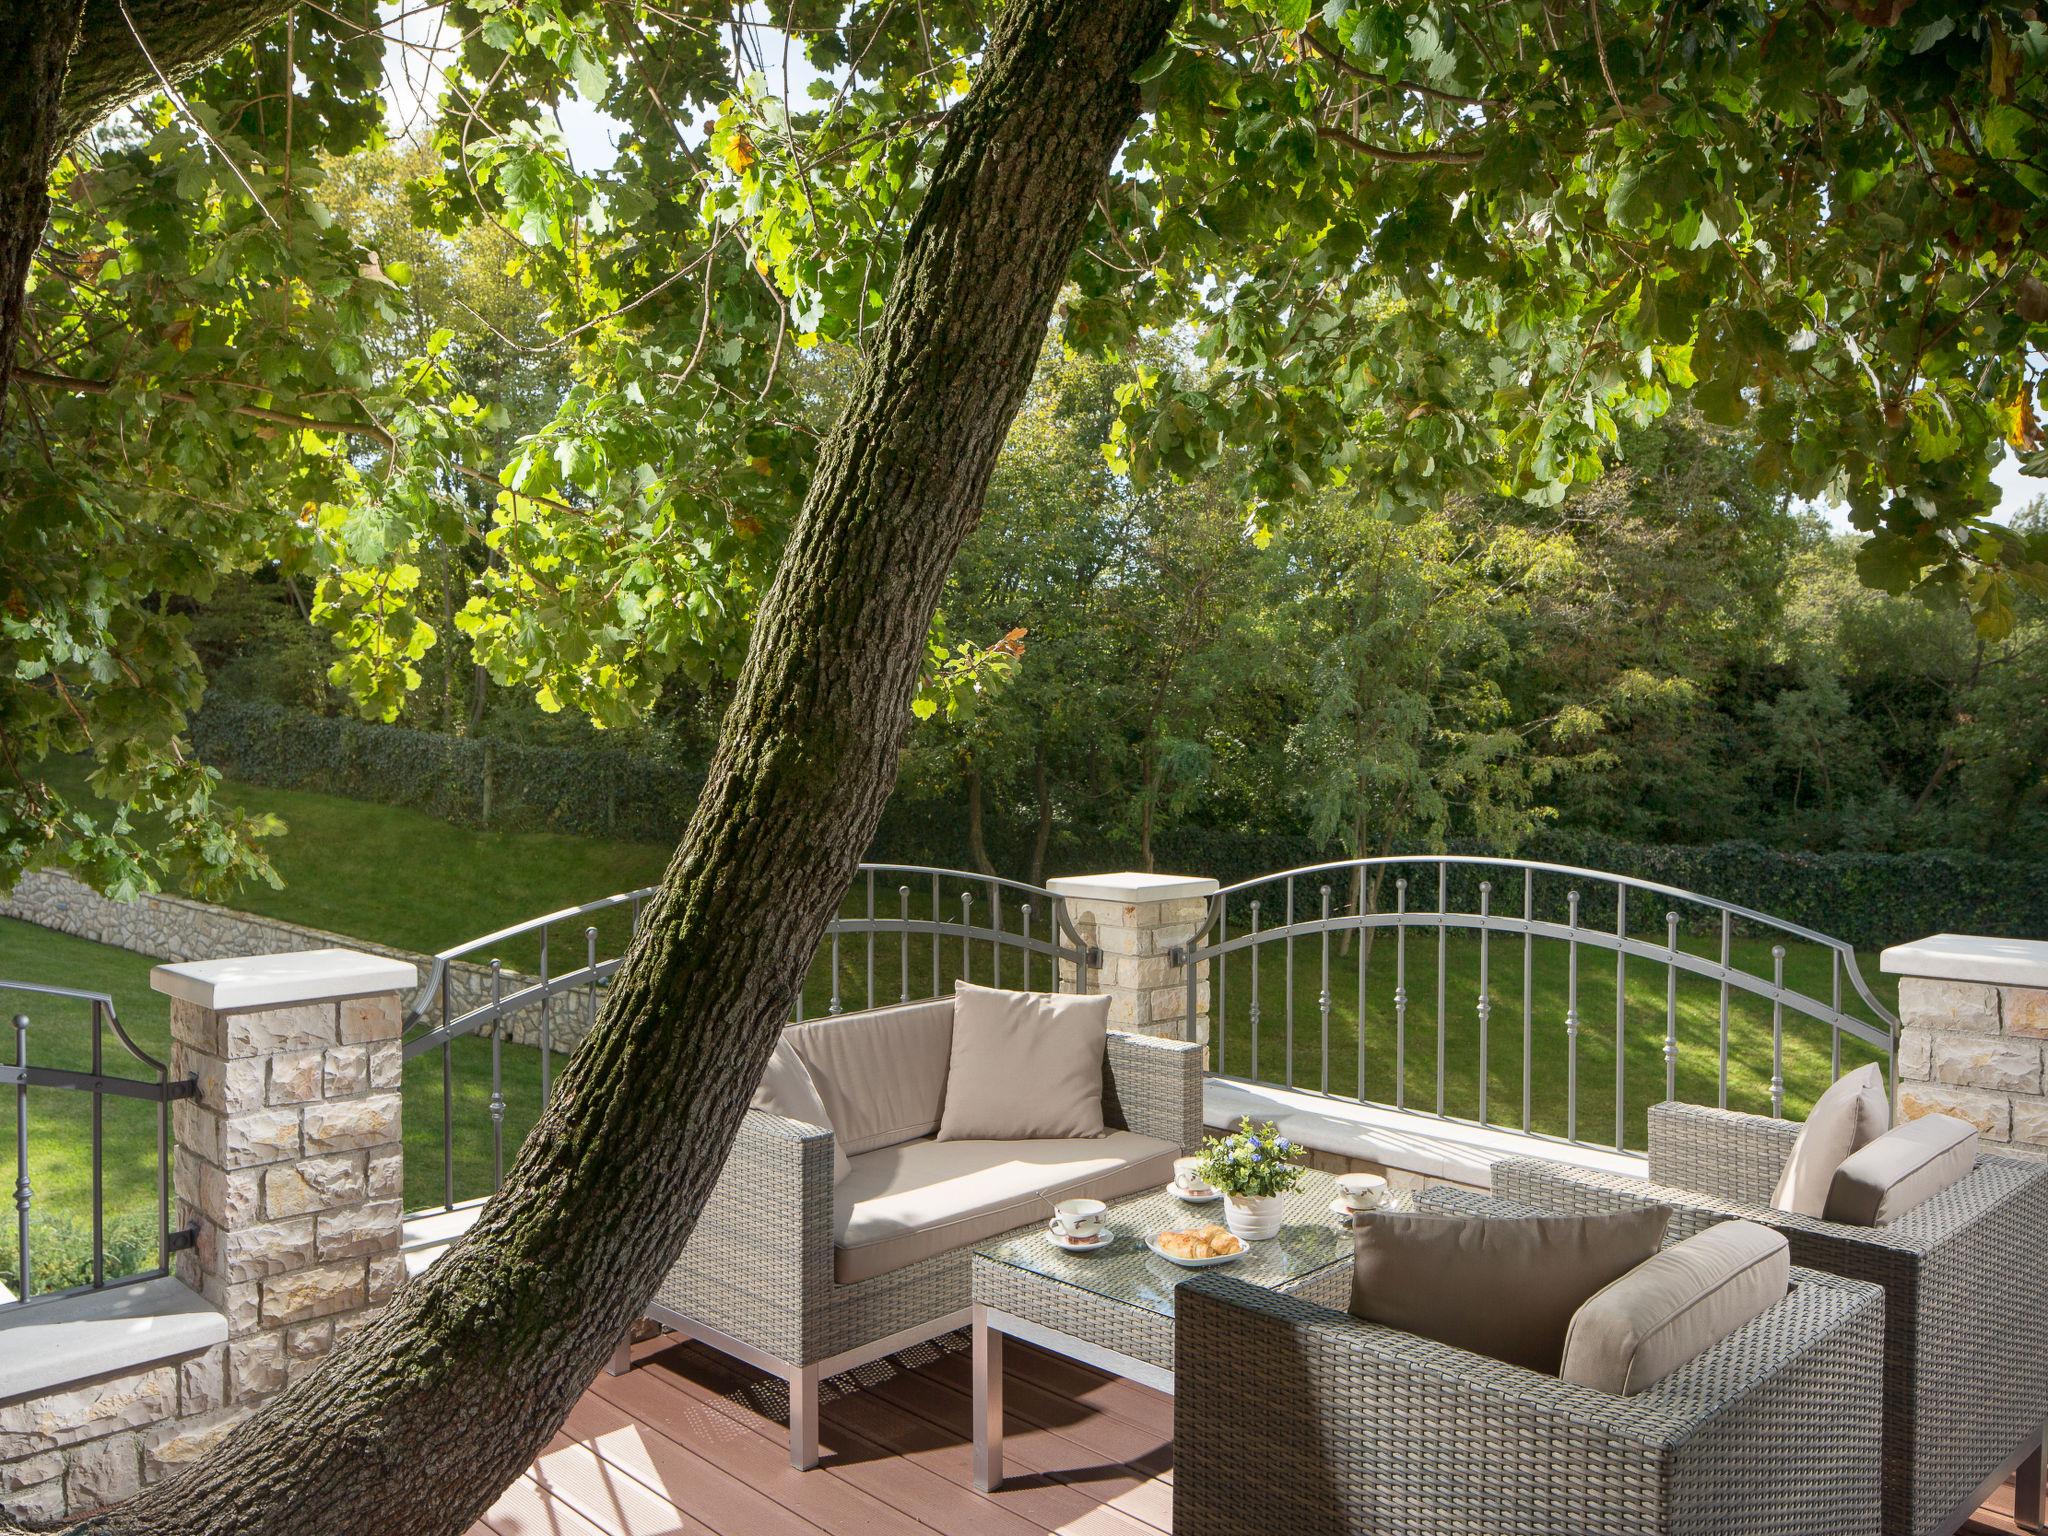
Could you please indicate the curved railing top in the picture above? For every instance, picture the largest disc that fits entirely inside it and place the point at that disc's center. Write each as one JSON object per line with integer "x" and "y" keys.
{"x": 1573, "y": 871}
{"x": 432, "y": 986}
{"x": 976, "y": 877}
{"x": 106, "y": 1001}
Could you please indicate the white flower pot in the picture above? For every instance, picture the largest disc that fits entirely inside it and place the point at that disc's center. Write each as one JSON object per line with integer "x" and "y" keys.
{"x": 1254, "y": 1217}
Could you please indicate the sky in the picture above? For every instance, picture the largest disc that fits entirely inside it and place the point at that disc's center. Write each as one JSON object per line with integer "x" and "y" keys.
{"x": 591, "y": 138}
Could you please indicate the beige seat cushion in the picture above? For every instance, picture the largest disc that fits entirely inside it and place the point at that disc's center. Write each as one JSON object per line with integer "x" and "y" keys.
{"x": 1852, "y": 1113}
{"x": 1675, "y": 1306}
{"x": 910, "y": 1202}
{"x": 1906, "y": 1165}
{"x": 1024, "y": 1065}
{"x": 787, "y": 1090}
{"x": 881, "y": 1073}
{"x": 1503, "y": 1286}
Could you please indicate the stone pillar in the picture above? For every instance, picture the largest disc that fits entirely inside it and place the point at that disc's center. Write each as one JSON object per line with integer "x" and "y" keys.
{"x": 1973, "y": 1016}
{"x": 288, "y": 1162}
{"x": 1135, "y": 919}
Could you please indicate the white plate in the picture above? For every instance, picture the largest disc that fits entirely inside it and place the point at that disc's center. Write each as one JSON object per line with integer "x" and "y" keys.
{"x": 1187, "y": 1199}
{"x": 1077, "y": 1245}
{"x": 1210, "y": 1263}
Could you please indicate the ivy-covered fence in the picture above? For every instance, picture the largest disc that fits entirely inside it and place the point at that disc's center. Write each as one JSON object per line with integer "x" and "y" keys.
{"x": 1870, "y": 899}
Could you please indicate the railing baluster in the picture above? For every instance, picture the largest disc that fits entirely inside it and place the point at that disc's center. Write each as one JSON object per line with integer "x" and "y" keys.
{"x": 835, "y": 1006}
{"x": 1671, "y": 1007}
{"x": 936, "y": 920}
{"x": 447, "y": 1106}
{"x": 163, "y": 1172}
{"x": 995, "y": 921}
{"x": 1727, "y": 926}
{"x": 99, "y": 1197}
{"x": 1024, "y": 919}
{"x": 1289, "y": 994}
{"x": 871, "y": 939}
{"x": 1485, "y": 995}
{"x": 497, "y": 1079}
{"x": 1571, "y": 1023}
{"x": 1257, "y": 1061}
{"x": 547, "y": 1043}
{"x": 1221, "y": 1033}
{"x": 1401, "y": 993}
{"x": 1835, "y": 1024}
{"x": 966, "y": 937}
{"x": 1442, "y": 934}
{"x": 903, "y": 949}
{"x": 1323, "y": 997}
{"x": 1778, "y": 1032}
{"x": 1528, "y": 989}
{"x": 1620, "y": 1017}
{"x": 22, "y": 1193}
{"x": 1361, "y": 934}
{"x": 590, "y": 983}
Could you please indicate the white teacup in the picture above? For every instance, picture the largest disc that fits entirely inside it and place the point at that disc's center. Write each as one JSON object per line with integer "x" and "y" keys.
{"x": 1079, "y": 1220}
{"x": 1187, "y": 1180}
{"x": 1361, "y": 1191}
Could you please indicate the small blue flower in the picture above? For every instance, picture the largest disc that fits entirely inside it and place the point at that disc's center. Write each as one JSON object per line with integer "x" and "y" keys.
{"x": 1282, "y": 1144}
{"x": 1257, "y": 1158}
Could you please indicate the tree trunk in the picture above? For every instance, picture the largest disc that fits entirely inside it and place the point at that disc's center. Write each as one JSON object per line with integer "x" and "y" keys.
{"x": 977, "y": 833}
{"x": 1041, "y": 840}
{"x": 31, "y": 101}
{"x": 422, "y": 1417}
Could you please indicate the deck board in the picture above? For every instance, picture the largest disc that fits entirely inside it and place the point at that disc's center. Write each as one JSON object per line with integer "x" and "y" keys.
{"x": 690, "y": 1443}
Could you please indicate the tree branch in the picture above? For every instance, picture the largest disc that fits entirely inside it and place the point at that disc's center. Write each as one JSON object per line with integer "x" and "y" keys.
{"x": 1395, "y": 156}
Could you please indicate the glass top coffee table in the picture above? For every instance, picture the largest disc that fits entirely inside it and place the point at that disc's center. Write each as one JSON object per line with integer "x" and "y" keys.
{"x": 1113, "y": 1308}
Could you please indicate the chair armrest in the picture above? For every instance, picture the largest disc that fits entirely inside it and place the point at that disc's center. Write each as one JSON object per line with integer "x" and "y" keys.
{"x": 1154, "y": 1087}
{"x": 1719, "y": 1151}
{"x": 1291, "y": 1417}
{"x": 759, "y": 1262}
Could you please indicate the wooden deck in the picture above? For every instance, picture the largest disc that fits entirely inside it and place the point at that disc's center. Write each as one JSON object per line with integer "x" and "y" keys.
{"x": 691, "y": 1442}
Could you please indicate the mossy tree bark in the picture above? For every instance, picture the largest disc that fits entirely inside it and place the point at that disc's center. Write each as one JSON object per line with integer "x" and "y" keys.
{"x": 426, "y": 1414}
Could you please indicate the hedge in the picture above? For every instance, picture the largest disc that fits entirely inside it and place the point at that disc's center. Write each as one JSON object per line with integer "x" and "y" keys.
{"x": 1869, "y": 899}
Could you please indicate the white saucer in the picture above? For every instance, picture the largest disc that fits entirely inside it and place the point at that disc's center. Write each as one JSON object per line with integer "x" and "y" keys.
{"x": 1187, "y": 1199}
{"x": 1209, "y": 1263}
{"x": 1077, "y": 1245}
{"x": 1345, "y": 1214}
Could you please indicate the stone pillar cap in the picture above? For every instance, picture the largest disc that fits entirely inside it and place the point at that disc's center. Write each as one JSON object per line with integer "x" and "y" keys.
{"x": 278, "y": 981}
{"x": 1132, "y": 887}
{"x": 1963, "y": 957}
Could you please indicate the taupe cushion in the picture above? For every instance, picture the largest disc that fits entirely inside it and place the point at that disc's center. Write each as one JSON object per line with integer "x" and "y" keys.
{"x": 1675, "y": 1306}
{"x": 911, "y": 1202}
{"x": 1906, "y": 1165}
{"x": 881, "y": 1073}
{"x": 1504, "y": 1286}
{"x": 1852, "y": 1113}
{"x": 787, "y": 1090}
{"x": 1025, "y": 1065}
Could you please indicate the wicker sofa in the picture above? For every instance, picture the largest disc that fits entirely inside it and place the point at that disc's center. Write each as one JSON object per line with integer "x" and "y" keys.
{"x": 1961, "y": 1274}
{"x": 806, "y": 1280}
{"x": 1292, "y": 1417}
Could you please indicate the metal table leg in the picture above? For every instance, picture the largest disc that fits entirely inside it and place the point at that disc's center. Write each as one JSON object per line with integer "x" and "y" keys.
{"x": 988, "y": 1403}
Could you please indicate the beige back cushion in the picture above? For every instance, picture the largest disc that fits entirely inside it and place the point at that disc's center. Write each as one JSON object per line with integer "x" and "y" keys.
{"x": 787, "y": 1090}
{"x": 1911, "y": 1163}
{"x": 1675, "y": 1306}
{"x": 1504, "y": 1286}
{"x": 882, "y": 1073}
{"x": 1852, "y": 1113}
{"x": 1026, "y": 1065}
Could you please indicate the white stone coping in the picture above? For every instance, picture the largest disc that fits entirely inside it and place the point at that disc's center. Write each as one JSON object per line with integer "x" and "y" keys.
{"x": 278, "y": 981}
{"x": 1964, "y": 957}
{"x": 52, "y": 1344}
{"x": 429, "y": 1234}
{"x": 1132, "y": 887}
{"x": 1396, "y": 1138}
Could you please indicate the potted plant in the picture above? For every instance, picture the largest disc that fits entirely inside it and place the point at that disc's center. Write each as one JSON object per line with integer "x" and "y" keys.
{"x": 1250, "y": 1166}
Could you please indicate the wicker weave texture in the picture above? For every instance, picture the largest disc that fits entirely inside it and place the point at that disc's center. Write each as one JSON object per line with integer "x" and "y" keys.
{"x": 1961, "y": 1279}
{"x": 1298, "y": 1418}
{"x": 759, "y": 1265}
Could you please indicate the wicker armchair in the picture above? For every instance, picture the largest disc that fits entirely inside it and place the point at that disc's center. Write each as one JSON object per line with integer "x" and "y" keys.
{"x": 1293, "y": 1417}
{"x": 757, "y": 1280}
{"x": 1962, "y": 1280}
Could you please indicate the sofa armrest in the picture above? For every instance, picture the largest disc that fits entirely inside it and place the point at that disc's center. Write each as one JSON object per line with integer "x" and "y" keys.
{"x": 758, "y": 1264}
{"x": 1719, "y": 1151}
{"x": 1154, "y": 1087}
{"x": 1291, "y": 1417}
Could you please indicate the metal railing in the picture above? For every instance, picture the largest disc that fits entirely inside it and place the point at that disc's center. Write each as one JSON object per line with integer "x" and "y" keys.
{"x": 1020, "y": 929}
{"x": 93, "y": 1079}
{"x": 1295, "y": 917}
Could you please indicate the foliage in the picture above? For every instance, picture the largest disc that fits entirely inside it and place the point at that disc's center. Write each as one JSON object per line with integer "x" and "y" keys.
{"x": 60, "y": 1248}
{"x": 1250, "y": 1162}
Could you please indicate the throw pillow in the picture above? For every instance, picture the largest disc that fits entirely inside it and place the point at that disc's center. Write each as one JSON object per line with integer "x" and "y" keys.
{"x": 1027, "y": 1066}
{"x": 1503, "y": 1286}
{"x": 1675, "y": 1306}
{"x": 1852, "y": 1113}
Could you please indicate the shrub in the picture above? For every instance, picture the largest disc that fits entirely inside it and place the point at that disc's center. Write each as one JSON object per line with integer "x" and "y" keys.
{"x": 60, "y": 1250}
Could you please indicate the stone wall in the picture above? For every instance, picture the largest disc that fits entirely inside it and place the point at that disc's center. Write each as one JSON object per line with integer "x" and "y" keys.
{"x": 176, "y": 928}
{"x": 1978, "y": 1051}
